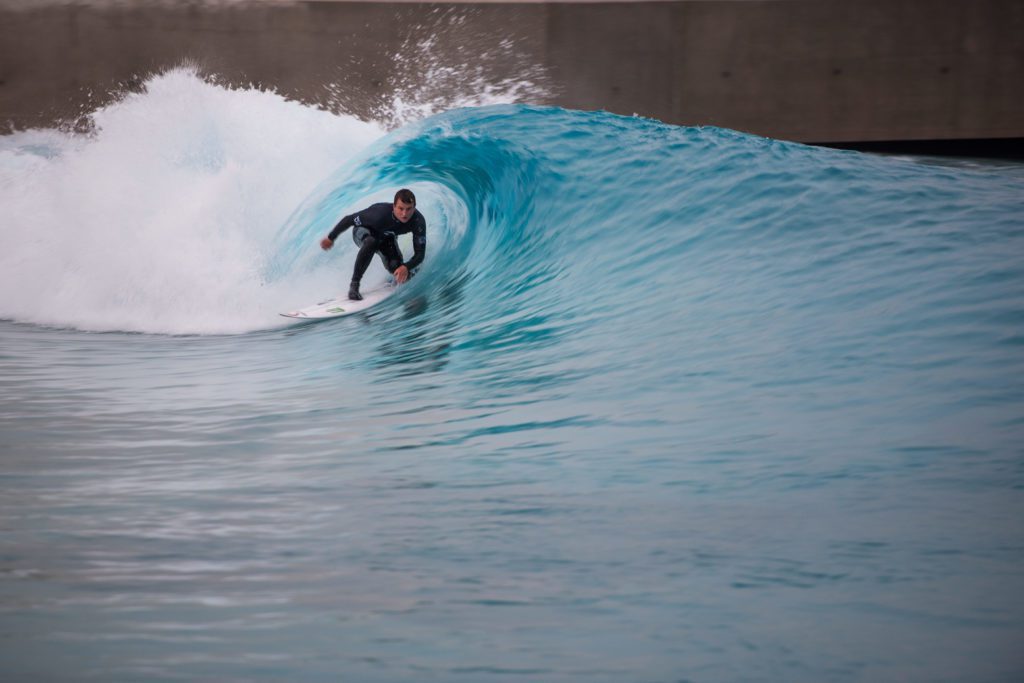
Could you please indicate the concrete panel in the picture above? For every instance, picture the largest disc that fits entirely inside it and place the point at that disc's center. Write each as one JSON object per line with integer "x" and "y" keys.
{"x": 834, "y": 70}
{"x": 56, "y": 62}
{"x": 613, "y": 56}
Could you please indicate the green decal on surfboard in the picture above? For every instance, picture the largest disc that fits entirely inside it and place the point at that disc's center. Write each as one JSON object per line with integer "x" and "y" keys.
{"x": 336, "y": 309}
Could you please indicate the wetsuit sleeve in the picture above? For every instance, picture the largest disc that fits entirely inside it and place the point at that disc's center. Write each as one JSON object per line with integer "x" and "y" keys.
{"x": 419, "y": 244}
{"x": 343, "y": 225}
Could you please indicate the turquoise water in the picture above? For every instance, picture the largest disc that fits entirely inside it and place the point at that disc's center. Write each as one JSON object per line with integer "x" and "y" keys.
{"x": 664, "y": 404}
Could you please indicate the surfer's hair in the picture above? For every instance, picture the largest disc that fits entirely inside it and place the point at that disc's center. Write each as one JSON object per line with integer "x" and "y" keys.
{"x": 406, "y": 196}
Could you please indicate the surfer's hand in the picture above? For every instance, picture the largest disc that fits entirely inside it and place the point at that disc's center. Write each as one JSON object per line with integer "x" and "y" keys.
{"x": 401, "y": 274}
{"x": 326, "y": 243}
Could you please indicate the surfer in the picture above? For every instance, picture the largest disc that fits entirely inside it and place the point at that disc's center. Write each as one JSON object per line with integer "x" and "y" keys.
{"x": 376, "y": 230}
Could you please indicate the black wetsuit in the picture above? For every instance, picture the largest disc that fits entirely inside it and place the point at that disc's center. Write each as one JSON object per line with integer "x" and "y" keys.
{"x": 376, "y": 230}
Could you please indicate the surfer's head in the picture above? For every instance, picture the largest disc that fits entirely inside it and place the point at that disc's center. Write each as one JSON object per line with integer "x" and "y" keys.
{"x": 405, "y": 205}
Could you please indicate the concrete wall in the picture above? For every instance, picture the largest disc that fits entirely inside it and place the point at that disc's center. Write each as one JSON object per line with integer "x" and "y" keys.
{"x": 808, "y": 70}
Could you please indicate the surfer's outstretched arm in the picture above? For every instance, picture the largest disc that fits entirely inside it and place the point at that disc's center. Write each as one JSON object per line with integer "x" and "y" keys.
{"x": 343, "y": 225}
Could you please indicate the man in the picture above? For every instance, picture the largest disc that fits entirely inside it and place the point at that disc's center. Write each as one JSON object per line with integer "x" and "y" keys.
{"x": 376, "y": 232}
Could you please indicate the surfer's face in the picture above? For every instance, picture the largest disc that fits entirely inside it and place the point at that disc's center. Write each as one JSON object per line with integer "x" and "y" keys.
{"x": 403, "y": 211}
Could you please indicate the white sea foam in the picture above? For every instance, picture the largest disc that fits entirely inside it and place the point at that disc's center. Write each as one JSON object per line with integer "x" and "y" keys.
{"x": 161, "y": 218}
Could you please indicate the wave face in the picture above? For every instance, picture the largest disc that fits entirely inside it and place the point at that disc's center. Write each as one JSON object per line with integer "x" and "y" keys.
{"x": 662, "y": 404}
{"x": 179, "y": 215}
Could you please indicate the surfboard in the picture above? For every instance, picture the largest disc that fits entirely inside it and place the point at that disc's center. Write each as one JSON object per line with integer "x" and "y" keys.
{"x": 342, "y": 305}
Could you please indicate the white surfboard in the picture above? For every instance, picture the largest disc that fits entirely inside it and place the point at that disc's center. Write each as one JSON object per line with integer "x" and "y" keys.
{"x": 342, "y": 305}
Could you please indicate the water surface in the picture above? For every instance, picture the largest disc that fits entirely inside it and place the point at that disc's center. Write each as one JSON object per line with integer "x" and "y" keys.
{"x": 663, "y": 404}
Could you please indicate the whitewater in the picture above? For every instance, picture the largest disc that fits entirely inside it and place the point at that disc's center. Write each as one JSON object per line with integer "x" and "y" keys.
{"x": 663, "y": 403}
